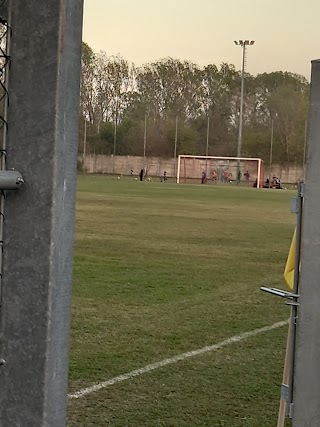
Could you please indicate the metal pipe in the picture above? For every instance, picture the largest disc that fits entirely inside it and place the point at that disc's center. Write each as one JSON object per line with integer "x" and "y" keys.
{"x": 115, "y": 137}
{"x": 305, "y": 148}
{"x": 145, "y": 141}
{"x": 176, "y": 139}
{"x": 271, "y": 149}
{"x": 294, "y": 308}
{"x": 208, "y": 136}
{"x": 243, "y": 44}
{"x": 241, "y": 101}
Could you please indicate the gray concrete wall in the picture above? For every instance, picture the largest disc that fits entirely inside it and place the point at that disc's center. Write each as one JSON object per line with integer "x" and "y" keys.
{"x": 123, "y": 164}
{"x": 156, "y": 166}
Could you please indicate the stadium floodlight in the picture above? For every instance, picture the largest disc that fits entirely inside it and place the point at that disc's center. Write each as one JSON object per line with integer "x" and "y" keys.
{"x": 243, "y": 44}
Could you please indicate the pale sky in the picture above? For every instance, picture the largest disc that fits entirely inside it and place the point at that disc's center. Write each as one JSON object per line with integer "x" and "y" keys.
{"x": 286, "y": 32}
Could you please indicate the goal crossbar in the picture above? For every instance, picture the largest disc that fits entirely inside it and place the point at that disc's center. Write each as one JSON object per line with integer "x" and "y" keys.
{"x": 190, "y": 156}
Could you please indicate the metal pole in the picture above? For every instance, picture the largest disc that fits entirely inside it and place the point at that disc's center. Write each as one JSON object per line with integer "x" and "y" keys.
{"x": 5, "y": 80}
{"x": 176, "y": 139}
{"x": 114, "y": 145}
{"x": 208, "y": 136}
{"x": 115, "y": 137}
{"x": 145, "y": 141}
{"x": 84, "y": 146}
{"x": 306, "y": 387}
{"x": 39, "y": 218}
{"x": 305, "y": 149}
{"x": 271, "y": 149}
{"x": 241, "y": 109}
{"x": 294, "y": 307}
{"x": 175, "y": 147}
{"x": 207, "y": 144}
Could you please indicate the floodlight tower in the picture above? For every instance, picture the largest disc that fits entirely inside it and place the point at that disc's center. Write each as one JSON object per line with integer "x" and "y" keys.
{"x": 243, "y": 44}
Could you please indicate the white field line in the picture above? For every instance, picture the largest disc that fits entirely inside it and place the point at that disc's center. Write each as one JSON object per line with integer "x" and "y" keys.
{"x": 175, "y": 359}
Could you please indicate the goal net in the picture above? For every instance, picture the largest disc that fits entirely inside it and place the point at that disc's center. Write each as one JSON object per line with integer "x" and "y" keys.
{"x": 225, "y": 170}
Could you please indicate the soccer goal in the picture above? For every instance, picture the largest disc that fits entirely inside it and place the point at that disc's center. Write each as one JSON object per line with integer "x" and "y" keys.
{"x": 212, "y": 169}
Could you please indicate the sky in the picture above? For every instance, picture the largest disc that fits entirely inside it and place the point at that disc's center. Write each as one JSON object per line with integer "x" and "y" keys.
{"x": 286, "y": 32}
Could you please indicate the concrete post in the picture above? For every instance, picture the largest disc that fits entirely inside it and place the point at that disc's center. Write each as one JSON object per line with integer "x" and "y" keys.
{"x": 306, "y": 399}
{"x": 39, "y": 218}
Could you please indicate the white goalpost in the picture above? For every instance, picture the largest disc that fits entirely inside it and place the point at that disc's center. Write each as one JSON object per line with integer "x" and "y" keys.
{"x": 220, "y": 169}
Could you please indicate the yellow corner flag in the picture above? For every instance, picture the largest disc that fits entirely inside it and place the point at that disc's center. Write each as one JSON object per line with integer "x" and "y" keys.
{"x": 289, "y": 270}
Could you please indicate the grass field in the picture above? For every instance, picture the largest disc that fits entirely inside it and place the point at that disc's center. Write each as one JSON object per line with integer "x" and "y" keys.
{"x": 160, "y": 270}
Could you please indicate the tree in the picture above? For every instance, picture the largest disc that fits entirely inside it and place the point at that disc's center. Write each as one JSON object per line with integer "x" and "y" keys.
{"x": 170, "y": 88}
{"x": 116, "y": 97}
{"x": 114, "y": 80}
{"x": 87, "y": 94}
{"x": 289, "y": 109}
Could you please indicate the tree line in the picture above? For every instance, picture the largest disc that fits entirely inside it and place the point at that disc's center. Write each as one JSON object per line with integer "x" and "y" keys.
{"x": 127, "y": 109}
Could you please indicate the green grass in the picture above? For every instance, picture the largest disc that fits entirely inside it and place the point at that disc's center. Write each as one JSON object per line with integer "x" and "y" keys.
{"x": 162, "y": 269}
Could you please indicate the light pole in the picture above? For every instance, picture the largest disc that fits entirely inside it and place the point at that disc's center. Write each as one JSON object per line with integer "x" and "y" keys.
{"x": 84, "y": 145}
{"x": 176, "y": 139}
{"x": 208, "y": 136}
{"x": 114, "y": 144}
{"x": 271, "y": 151}
{"x": 145, "y": 140}
{"x": 175, "y": 146}
{"x": 207, "y": 145}
{"x": 305, "y": 149}
{"x": 115, "y": 135}
{"x": 243, "y": 44}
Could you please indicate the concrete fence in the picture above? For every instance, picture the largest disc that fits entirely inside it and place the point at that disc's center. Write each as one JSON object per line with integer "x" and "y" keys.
{"x": 122, "y": 165}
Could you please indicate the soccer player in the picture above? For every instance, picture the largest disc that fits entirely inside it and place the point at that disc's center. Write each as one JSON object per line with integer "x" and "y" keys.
{"x": 204, "y": 177}
{"x": 214, "y": 176}
{"x": 226, "y": 176}
{"x": 164, "y": 177}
